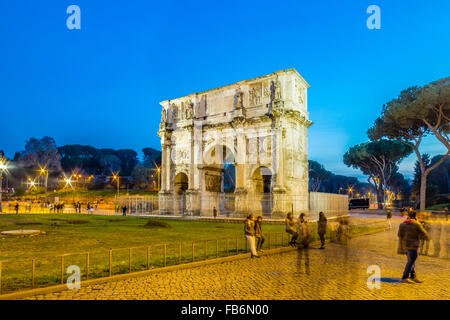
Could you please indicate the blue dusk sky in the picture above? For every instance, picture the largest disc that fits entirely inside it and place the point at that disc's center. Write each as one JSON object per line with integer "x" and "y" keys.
{"x": 102, "y": 85}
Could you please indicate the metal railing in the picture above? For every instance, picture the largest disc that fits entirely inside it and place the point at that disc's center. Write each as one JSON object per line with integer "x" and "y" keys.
{"x": 46, "y": 271}
{"x": 32, "y": 273}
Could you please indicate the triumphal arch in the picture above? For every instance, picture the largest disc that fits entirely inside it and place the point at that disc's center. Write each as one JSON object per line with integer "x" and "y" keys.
{"x": 237, "y": 149}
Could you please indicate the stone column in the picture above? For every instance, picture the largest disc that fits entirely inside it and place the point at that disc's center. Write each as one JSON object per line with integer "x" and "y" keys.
{"x": 165, "y": 194}
{"x": 240, "y": 202}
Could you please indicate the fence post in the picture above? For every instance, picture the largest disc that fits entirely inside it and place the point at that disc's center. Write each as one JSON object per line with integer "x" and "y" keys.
{"x": 110, "y": 263}
{"x": 87, "y": 266}
{"x": 165, "y": 251}
{"x": 179, "y": 252}
{"x": 217, "y": 248}
{"x": 62, "y": 269}
{"x": 33, "y": 265}
{"x": 192, "y": 251}
{"x": 205, "y": 249}
{"x": 129, "y": 260}
{"x": 148, "y": 257}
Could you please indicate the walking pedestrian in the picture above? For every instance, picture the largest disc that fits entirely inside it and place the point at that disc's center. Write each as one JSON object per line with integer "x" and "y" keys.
{"x": 249, "y": 231}
{"x": 291, "y": 229}
{"x": 409, "y": 234}
{"x": 322, "y": 229}
{"x": 304, "y": 230}
{"x": 389, "y": 217}
{"x": 258, "y": 234}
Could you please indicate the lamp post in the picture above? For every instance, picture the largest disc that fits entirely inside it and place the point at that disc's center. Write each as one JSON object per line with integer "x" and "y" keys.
{"x": 117, "y": 178}
{"x": 2, "y": 168}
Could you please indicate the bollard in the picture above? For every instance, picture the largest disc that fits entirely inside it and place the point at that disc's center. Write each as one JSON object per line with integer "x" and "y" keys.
{"x": 129, "y": 260}
{"x": 148, "y": 257}
{"x": 62, "y": 269}
{"x": 87, "y": 266}
{"x": 165, "y": 251}
{"x": 110, "y": 263}
{"x": 33, "y": 265}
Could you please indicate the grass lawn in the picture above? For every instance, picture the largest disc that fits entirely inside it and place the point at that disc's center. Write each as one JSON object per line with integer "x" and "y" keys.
{"x": 74, "y": 235}
{"x": 69, "y": 233}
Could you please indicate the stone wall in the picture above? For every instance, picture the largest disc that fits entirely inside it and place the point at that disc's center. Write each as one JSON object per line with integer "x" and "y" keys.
{"x": 329, "y": 203}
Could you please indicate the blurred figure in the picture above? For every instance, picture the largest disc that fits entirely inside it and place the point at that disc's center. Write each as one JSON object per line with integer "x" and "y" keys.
{"x": 435, "y": 232}
{"x": 249, "y": 231}
{"x": 322, "y": 229}
{"x": 304, "y": 230}
{"x": 215, "y": 212}
{"x": 258, "y": 234}
{"x": 290, "y": 228}
{"x": 424, "y": 241}
{"x": 389, "y": 217}
{"x": 409, "y": 234}
{"x": 342, "y": 233}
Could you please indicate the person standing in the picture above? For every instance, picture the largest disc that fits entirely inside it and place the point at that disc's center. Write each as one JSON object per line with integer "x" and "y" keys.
{"x": 16, "y": 207}
{"x": 290, "y": 228}
{"x": 258, "y": 234}
{"x": 322, "y": 229}
{"x": 389, "y": 217}
{"x": 215, "y": 212}
{"x": 249, "y": 231}
{"x": 409, "y": 233}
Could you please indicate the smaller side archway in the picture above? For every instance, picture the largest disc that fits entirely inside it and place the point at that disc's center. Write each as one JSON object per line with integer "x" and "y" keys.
{"x": 181, "y": 184}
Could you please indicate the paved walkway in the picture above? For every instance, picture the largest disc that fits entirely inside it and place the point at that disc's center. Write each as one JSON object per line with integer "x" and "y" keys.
{"x": 339, "y": 272}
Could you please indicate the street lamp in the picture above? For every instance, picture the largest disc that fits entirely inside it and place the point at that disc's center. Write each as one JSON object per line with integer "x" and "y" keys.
{"x": 116, "y": 177}
{"x": 3, "y": 167}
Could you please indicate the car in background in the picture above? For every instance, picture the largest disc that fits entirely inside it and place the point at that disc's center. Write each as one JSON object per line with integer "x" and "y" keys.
{"x": 358, "y": 204}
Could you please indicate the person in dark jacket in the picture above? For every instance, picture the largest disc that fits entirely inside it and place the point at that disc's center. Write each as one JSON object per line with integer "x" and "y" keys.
{"x": 249, "y": 231}
{"x": 409, "y": 233}
{"x": 258, "y": 234}
{"x": 322, "y": 229}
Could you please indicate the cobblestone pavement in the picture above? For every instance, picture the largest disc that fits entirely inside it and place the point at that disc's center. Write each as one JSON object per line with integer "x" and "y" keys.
{"x": 338, "y": 272}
